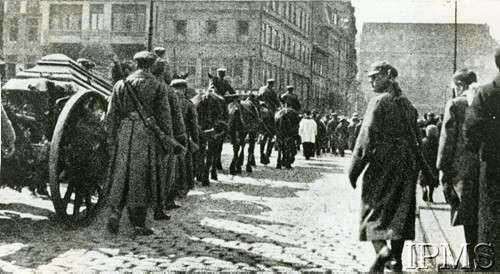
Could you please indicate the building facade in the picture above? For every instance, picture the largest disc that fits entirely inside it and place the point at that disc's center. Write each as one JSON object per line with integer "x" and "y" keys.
{"x": 423, "y": 54}
{"x": 21, "y": 35}
{"x": 308, "y": 44}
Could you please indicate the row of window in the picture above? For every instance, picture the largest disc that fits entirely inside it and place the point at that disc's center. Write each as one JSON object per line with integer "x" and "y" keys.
{"x": 211, "y": 26}
{"x": 234, "y": 69}
{"x": 25, "y": 6}
{"x": 292, "y": 12}
{"x": 271, "y": 37}
{"x": 124, "y": 18}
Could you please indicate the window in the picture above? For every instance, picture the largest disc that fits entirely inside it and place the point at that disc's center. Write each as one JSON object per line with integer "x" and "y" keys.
{"x": 96, "y": 17}
{"x": 128, "y": 18}
{"x": 65, "y": 17}
{"x": 276, "y": 39}
{"x": 270, "y": 40}
{"x": 13, "y": 30}
{"x": 211, "y": 27}
{"x": 263, "y": 34}
{"x": 32, "y": 30}
{"x": 243, "y": 27}
{"x": 180, "y": 27}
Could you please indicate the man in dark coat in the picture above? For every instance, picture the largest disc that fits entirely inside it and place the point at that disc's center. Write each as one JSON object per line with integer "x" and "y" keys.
{"x": 331, "y": 126}
{"x": 268, "y": 95}
{"x": 171, "y": 161}
{"x": 385, "y": 148}
{"x": 161, "y": 69}
{"x": 342, "y": 134}
{"x": 223, "y": 87}
{"x": 185, "y": 178}
{"x": 290, "y": 99}
{"x": 458, "y": 167}
{"x": 482, "y": 135}
{"x": 136, "y": 155}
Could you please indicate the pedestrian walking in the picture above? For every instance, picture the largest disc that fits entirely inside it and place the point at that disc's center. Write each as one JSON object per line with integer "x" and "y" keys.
{"x": 307, "y": 131}
{"x": 342, "y": 134}
{"x": 386, "y": 147}
{"x": 458, "y": 167}
{"x": 320, "y": 135}
{"x": 430, "y": 144}
{"x": 330, "y": 131}
{"x": 136, "y": 157}
{"x": 352, "y": 131}
{"x": 482, "y": 135}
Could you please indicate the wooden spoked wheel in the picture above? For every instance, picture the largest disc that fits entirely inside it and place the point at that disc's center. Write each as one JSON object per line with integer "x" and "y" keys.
{"x": 78, "y": 158}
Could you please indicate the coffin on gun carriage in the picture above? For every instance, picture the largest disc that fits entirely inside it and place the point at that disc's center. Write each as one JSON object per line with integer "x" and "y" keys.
{"x": 57, "y": 109}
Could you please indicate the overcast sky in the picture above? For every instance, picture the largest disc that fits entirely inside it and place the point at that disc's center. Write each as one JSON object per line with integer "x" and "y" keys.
{"x": 429, "y": 11}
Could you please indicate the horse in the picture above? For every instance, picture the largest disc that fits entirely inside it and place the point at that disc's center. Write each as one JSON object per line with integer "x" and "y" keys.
{"x": 246, "y": 119}
{"x": 287, "y": 127}
{"x": 213, "y": 129}
{"x": 267, "y": 135}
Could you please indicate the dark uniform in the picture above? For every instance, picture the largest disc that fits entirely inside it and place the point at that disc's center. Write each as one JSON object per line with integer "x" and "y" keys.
{"x": 185, "y": 178}
{"x": 136, "y": 156}
{"x": 161, "y": 69}
{"x": 268, "y": 95}
{"x": 290, "y": 99}
{"x": 482, "y": 135}
{"x": 179, "y": 133}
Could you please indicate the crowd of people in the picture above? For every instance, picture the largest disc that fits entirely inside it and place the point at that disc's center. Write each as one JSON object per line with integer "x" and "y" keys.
{"x": 459, "y": 150}
{"x": 153, "y": 133}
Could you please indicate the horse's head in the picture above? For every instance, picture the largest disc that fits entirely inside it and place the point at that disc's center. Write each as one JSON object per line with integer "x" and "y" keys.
{"x": 214, "y": 83}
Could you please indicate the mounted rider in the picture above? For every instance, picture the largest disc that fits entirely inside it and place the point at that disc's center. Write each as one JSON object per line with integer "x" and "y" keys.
{"x": 268, "y": 95}
{"x": 290, "y": 99}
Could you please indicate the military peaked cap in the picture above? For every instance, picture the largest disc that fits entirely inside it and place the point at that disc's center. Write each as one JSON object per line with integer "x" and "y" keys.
{"x": 145, "y": 55}
{"x": 178, "y": 83}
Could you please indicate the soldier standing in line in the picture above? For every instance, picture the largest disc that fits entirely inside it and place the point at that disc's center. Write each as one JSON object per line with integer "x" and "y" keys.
{"x": 171, "y": 162}
{"x": 136, "y": 153}
{"x": 268, "y": 95}
{"x": 185, "y": 180}
{"x": 161, "y": 69}
{"x": 290, "y": 99}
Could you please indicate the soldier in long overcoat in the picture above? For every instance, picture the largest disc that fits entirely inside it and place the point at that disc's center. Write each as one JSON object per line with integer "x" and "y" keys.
{"x": 458, "y": 167}
{"x": 482, "y": 135}
{"x": 384, "y": 148}
{"x": 136, "y": 154}
{"x": 185, "y": 178}
{"x": 170, "y": 191}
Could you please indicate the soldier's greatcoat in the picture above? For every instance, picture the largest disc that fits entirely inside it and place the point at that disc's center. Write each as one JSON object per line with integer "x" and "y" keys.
{"x": 389, "y": 183}
{"x": 461, "y": 165}
{"x": 137, "y": 159}
{"x": 190, "y": 117}
{"x": 482, "y": 133}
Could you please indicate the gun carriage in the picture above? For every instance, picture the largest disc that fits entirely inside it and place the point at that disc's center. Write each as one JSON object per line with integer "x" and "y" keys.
{"x": 58, "y": 109}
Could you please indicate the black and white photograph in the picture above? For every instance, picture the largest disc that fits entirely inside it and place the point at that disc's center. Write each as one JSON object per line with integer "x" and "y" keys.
{"x": 249, "y": 136}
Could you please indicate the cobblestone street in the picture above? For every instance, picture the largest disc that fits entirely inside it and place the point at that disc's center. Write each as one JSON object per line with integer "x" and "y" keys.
{"x": 271, "y": 220}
